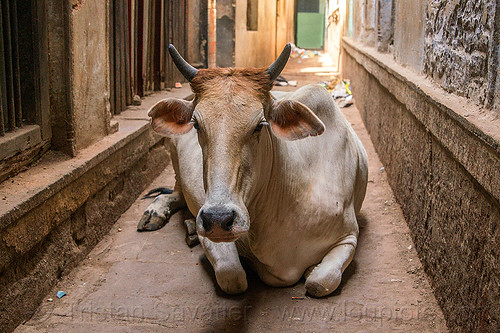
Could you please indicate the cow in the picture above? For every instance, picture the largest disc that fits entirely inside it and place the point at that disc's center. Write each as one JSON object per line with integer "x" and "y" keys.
{"x": 277, "y": 179}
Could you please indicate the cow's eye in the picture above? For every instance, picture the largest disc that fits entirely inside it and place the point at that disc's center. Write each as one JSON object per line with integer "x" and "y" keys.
{"x": 195, "y": 125}
{"x": 259, "y": 126}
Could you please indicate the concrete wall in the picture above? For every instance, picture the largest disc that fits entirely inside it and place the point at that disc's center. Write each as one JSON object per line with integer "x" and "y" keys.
{"x": 409, "y": 22}
{"x": 196, "y": 31}
{"x": 285, "y": 32}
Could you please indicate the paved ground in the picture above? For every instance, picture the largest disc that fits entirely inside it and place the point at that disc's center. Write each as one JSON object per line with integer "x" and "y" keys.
{"x": 153, "y": 282}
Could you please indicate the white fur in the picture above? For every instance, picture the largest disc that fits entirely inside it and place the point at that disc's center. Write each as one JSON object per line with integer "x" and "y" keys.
{"x": 302, "y": 213}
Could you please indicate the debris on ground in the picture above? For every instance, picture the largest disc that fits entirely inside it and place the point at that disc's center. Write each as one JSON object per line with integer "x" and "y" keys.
{"x": 341, "y": 92}
{"x": 49, "y": 299}
{"x": 178, "y": 85}
{"x": 297, "y": 298}
{"x": 302, "y": 53}
{"x": 136, "y": 100}
{"x": 60, "y": 294}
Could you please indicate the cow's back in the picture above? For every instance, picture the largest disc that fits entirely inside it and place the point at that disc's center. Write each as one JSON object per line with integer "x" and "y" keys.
{"x": 336, "y": 160}
{"x": 312, "y": 184}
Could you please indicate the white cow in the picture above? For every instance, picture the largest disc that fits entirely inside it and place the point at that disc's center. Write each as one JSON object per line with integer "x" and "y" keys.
{"x": 260, "y": 179}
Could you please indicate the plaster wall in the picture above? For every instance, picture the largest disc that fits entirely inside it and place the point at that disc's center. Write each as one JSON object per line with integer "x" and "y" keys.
{"x": 255, "y": 48}
{"x": 225, "y": 33}
{"x": 90, "y": 79}
{"x": 409, "y": 23}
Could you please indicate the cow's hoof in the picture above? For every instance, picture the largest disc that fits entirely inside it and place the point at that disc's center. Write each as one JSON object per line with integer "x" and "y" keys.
{"x": 320, "y": 285}
{"x": 151, "y": 221}
{"x": 192, "y": 240}
{"x": 232, "y": 281}
{"x": 316, "y": 290}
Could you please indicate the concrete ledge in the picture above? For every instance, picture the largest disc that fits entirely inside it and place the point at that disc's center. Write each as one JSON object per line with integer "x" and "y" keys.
{"x": 440, "y": 112}
{"x": 54, "y": 213}
{"x": 442, "y": 156}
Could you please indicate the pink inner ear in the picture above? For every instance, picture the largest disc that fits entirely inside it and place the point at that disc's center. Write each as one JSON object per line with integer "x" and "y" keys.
{"x": 292, "y": 120}
{"x": 171, "y": 117}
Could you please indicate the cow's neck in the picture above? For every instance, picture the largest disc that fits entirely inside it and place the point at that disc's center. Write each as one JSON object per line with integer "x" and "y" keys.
{"x": 265, "y": 191}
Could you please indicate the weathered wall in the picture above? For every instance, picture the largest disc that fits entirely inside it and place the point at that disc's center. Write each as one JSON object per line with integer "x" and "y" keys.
{"x": 60, "y": 68}
{"x": 364, "y": 21}
{"x": 255, "y": 48}
{"x": 409, "y": 23}
{"x": 385, "y": 25}
{"x": 51, "y": 238}
{"x": 225, "y": 33}
{"x": 445, "y": 173}
{"x": 461, "y": 47}
{"x": 334, "y": 30}
{"x": 285, "y": 32}
{"x": 195, "y": 54}
{"x": 90, "y": 61}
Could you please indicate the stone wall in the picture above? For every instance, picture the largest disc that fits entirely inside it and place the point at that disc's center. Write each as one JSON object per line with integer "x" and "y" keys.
{"x": 431, "y": 105}
{"x": 461, "y": 47}
{"x": 445, "y": 173}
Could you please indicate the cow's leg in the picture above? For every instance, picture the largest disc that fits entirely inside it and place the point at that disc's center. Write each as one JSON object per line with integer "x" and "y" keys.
{"x": 191, "y": 235}
{"x": 325, "y": 277}
{"x": 159, "y": 211}
{"x": 230, "y": 275}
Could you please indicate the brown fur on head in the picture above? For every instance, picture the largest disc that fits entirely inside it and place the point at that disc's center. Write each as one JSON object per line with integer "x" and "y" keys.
{"x": 221, "y": 80}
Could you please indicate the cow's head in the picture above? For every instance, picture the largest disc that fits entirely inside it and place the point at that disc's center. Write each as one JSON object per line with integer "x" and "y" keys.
{"x": 231, "y": 112}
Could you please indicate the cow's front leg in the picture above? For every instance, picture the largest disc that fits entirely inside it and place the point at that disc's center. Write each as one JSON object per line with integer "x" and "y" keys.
{"x": 230, "y": 275}
{"x": 325, "y": 277}
{"x": 159, "y": 211}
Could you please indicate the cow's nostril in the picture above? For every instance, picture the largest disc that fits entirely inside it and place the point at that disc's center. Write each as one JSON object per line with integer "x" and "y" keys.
{"x": 211, "y": 216}
{"x": 228, "y": 220}
{"x": 206, "y": 222}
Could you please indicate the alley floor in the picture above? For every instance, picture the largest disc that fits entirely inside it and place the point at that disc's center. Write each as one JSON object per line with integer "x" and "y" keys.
{"x": 153, "y": 282}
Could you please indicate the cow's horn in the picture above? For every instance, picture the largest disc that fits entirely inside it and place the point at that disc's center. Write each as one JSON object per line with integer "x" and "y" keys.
{"x": 186, "y": 69}
{"x": 276, "y": 67}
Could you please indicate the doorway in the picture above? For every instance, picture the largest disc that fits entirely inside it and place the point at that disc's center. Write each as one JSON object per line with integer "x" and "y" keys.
{"x": 310, "y": 27}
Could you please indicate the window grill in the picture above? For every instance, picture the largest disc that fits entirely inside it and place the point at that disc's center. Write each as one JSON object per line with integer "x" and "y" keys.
{"x": 140, "y": 31}
{"x": 10, "y": 82}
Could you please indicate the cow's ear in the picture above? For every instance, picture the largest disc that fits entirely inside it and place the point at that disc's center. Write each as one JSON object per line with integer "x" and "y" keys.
{"x": 171, "y": 116}
{"x": 292, "y": 120}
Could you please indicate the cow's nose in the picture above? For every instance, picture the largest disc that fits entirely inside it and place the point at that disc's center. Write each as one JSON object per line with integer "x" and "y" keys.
{"x": 217, "y": 216}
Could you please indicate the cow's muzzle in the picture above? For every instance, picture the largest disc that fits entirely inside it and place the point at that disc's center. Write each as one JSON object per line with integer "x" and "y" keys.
{"x": 221, "y": 223}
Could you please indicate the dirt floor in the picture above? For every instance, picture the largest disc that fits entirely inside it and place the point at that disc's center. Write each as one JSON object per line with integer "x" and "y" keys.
{"x": 153, "y": 282}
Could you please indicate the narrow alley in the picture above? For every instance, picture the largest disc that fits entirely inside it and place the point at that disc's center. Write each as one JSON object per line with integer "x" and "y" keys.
{"x": 153, "y": 282}
{"x": 92, "y": 92}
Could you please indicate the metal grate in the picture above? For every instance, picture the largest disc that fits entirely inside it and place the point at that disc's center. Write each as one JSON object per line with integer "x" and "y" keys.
{"x": 10, "y": 82}
{"x": 140, "y": 31}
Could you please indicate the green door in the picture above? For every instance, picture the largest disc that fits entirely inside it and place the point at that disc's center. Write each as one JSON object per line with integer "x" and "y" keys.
{"x": 310, "y": 24}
